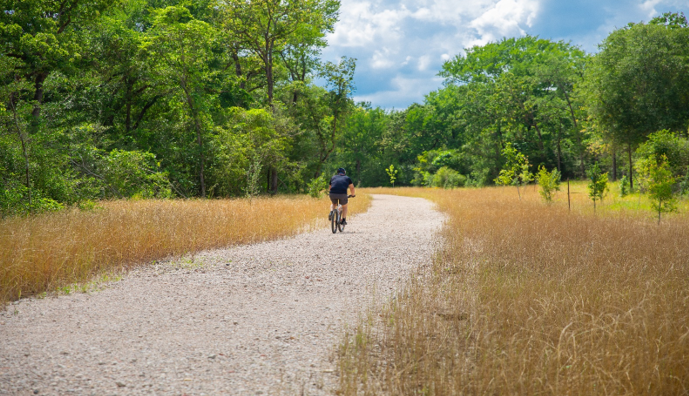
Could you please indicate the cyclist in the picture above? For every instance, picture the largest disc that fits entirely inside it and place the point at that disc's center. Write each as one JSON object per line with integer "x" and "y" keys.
{"x": 338, "y": 193}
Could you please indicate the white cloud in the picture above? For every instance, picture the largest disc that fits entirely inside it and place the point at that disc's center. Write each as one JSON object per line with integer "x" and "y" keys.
{"x": 360, "y": 25}
{"x": 648, "y": 7}
{"x": 383, "y": 36}
{"x": 401, "y": 42}
{"x": 382, "y": 59}
{"x": 424, "y": 61}
{"x": 505, "y": 19}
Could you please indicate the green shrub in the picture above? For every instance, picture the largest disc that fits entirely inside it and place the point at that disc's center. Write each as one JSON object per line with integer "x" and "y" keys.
{"x": 134, "y": 174}
{"x": 673, "y": 146}
{"x": 598, "y": 184}
{"x": 317, "y": 186}
{"x": 515, "y": 172}
{"x": 549, "y": 182}
{"x": 448, "y": 178}
{"x": 684, "y": 184}
{"x": 625, "y": 189}
{"x": 660, "y": 185}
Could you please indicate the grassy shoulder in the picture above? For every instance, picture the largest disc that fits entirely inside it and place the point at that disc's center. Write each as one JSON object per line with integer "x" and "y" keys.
{"x": 50, "y": 251}
{"x": 530, "y": 298}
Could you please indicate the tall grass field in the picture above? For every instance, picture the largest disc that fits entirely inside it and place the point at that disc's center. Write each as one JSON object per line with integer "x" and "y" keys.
{"x": 534, "y": 299}
{"x": 44, "y": 252}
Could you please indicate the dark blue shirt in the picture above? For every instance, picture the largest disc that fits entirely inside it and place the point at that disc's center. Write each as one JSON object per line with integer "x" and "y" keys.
{"x": 339, "y": 184}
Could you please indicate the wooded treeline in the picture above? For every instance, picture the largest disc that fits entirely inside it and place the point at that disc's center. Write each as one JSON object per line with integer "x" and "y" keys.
{"x": 215, "y": 98}
{"x": 561, "y": 107}
{"x": 157, "y": 98}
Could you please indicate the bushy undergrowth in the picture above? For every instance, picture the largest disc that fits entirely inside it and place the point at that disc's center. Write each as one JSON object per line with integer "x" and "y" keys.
{"x": 43, "y": 252}
{"x": 527, "y": 298}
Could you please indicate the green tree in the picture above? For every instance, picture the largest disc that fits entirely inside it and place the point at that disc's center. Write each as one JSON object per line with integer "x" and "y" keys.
{"x": 673, "y": 146}
{"x": 392, "y": 174}
{"x": 659, "y": 183}
{"x": 322, "y": 112}
{"x": 181, "y": 45}
{"x": 638, "y": 81}
{"x": 268, "y": 28}
{"x": 598, "y": 184}
{"x": 624, "y": 186}
{"x": 253, "y": 139}
{"x": 516, "y": 169}
{"x": 549, "y": 182}
{"x": 359, "y": 144}
{"x": 45, "y": 36}
{"x": 518, "y": 90}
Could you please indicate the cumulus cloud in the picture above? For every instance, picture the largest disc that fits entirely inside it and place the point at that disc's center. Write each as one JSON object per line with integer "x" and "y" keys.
{"x": 507, "y": 18}
{"x": 401, "y": 44}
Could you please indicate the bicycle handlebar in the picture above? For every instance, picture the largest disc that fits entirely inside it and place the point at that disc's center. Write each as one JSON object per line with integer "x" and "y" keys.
{"x": 351, "y": 196}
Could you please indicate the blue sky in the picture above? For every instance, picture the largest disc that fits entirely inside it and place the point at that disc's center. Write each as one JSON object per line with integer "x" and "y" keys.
{"x": 401, "y": 44}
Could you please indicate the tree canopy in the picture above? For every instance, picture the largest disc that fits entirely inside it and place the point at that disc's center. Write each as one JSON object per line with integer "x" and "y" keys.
{"x": 162, "y": 98}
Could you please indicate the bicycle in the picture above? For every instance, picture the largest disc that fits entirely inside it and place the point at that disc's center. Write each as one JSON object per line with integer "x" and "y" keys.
{"x": 336, "y": 218}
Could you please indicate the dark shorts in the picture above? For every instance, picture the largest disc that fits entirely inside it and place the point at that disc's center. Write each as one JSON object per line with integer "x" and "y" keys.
{"x": 339, "y": 197}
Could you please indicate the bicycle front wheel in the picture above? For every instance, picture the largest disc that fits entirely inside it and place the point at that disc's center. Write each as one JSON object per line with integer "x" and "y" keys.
{"x": 334, "y": 219}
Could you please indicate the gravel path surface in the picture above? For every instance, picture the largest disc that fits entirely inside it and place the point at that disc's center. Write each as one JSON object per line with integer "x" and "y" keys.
{"x": 255, "y": 319}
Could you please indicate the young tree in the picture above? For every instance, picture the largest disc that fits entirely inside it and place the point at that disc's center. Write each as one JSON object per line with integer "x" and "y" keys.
{"x": 516, "y": 170}
{"x": 549, "y": 182}
{"x": 598, "y": 184}
{"x": 658, "y": 180}
{"x": 392, "y": 173}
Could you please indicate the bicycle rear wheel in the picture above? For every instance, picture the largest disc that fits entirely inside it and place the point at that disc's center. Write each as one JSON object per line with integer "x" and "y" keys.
{"x": 340, "y": 226}
{"x": 334, "y": 219}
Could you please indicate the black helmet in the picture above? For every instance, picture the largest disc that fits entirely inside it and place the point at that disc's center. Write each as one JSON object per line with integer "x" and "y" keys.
{"x": 341, "y": 170}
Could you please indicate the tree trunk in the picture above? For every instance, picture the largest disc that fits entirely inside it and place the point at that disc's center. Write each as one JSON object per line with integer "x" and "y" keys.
{"x": 238, "y": 69}
{"x": 38, "y": 95}
{"x": 202, "y": 161}
{"x": 269, "y": 74}
{"x": 25, "y": 151}
{"x": 540, "y": 138}
{"x": 614, "y": 164}
{"x": 631, "y": 179}
{"x": 358, "y": 172}
{"x": 576, "y": 130}
{"x": 128, "y": 98}
{"x": 273, "y": 181}
{"x": 559, "y": 151}
{"x": 199, "y": 137}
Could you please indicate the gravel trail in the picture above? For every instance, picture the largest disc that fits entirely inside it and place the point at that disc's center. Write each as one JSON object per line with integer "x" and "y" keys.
{"x": 255, "y": 319}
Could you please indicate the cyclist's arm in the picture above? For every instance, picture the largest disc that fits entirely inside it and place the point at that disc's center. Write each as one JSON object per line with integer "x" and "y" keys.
{"x": 351, "y": 189}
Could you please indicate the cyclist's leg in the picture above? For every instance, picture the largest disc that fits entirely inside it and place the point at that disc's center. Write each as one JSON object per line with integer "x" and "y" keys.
{"x": 333, "y": 203}
{"x": 344, "y": 201}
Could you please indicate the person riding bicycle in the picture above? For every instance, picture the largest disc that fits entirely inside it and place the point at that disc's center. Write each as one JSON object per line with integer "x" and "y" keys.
{"x": 338, "y": 192}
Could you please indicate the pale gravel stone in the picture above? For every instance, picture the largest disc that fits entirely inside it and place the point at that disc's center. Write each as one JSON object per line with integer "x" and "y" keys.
{"x": 267, "y": 323}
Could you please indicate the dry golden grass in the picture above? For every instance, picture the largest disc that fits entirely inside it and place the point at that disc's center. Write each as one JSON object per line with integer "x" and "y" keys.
{"x": 44, "y": 252}
{"x": 528, "y": 298}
